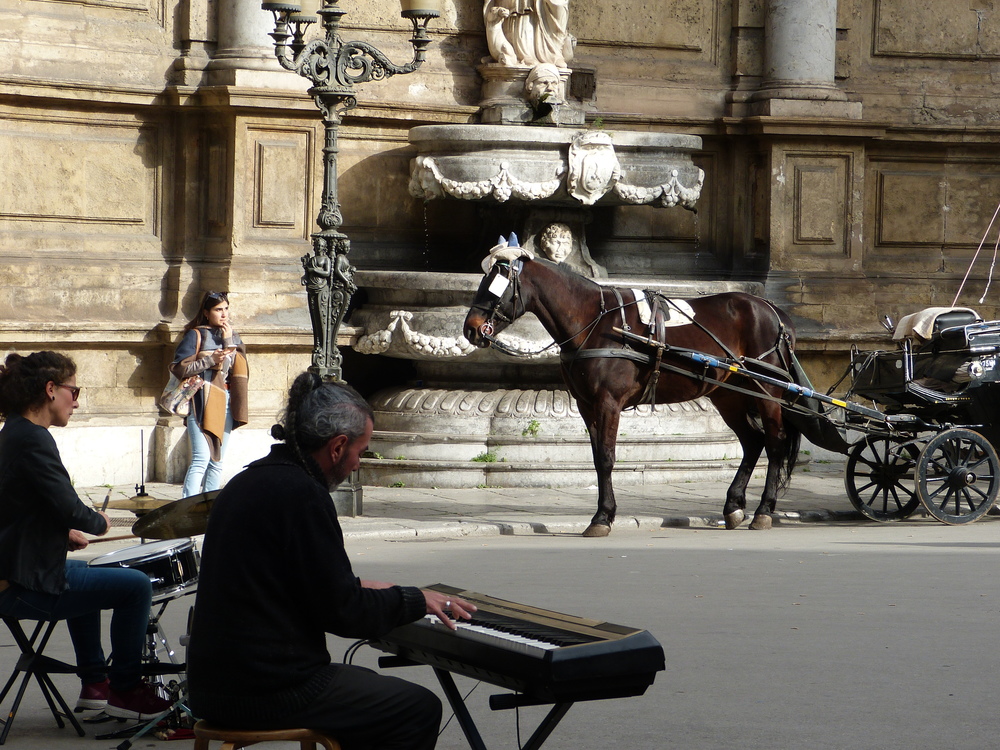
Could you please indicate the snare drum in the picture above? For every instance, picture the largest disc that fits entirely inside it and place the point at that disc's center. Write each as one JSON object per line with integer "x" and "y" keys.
{"x": 171, "y": 564}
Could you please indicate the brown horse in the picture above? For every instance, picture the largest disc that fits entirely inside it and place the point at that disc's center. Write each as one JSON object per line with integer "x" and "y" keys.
{"x": 607, "y": 371}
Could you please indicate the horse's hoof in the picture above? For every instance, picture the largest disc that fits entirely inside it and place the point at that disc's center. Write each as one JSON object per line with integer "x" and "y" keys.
{"x": 734, "y": 519}
{"x": 761, "y": 522}
{"x": 597, "y": 529}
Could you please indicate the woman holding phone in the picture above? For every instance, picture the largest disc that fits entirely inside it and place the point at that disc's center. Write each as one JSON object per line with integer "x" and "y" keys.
{"x": 211, "y": 348}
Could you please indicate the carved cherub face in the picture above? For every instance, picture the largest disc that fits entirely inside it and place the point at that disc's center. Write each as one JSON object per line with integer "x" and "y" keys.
{"x": 557, "y": 242}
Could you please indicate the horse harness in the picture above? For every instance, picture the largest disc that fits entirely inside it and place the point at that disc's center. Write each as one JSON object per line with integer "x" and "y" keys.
{"x": 661, "y": 310}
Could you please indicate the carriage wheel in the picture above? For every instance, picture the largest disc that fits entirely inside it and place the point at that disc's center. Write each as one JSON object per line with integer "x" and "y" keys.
{"x": 881, "y": 478}
{"x": 958, "y": 476}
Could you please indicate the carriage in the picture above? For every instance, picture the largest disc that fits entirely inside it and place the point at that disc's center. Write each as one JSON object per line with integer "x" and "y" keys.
{"x": 935, "y": 442}
{"x": 926, "y": 435}
{"x": 929, "y": 437}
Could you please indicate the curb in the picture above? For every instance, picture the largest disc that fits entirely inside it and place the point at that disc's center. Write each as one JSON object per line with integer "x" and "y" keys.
{"x": 399, "y": 529}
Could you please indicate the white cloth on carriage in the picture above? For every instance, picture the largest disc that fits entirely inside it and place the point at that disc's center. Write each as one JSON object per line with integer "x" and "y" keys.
{"x": 921, "y": 324}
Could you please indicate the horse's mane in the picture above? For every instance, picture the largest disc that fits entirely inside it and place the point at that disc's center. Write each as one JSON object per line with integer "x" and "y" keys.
{"x": 573, "y": 279}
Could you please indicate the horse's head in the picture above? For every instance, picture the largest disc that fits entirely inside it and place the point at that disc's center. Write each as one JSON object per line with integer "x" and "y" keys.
{"x": 497, "y": 303}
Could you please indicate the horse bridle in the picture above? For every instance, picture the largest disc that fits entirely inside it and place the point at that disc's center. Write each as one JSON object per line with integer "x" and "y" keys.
{"x": 493, "y": 311}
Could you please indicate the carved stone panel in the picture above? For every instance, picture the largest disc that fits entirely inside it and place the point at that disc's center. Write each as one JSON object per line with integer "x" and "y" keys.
{"x": 928, "y": 204}
{"x": 821, "y": 198}
{"x": 96, "y": 177}
{"x": 820, "y": 203}
{"x": 908, "y": 206}
{"x": 937, "y": 28}
{"x": 282, "y": 176}
{"x": 680, "y": 24}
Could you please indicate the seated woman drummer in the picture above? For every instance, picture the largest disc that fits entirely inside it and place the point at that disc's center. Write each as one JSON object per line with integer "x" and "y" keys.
{"x": 41, "y": 518}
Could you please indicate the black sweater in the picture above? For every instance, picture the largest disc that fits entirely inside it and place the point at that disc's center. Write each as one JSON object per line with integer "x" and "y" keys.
{"x": 38, "y": 507}
{"x": 274, "y": 579}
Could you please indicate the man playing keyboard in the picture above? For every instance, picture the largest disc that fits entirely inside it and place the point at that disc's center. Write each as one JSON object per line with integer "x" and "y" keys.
{"x": 275, "y": 579}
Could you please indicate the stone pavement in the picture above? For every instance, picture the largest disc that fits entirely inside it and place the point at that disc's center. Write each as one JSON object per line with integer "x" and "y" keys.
{"x": 816, "y": 494}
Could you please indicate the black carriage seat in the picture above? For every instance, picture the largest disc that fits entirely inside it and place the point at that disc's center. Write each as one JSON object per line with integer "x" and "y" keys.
{"x": 952, "y": 348}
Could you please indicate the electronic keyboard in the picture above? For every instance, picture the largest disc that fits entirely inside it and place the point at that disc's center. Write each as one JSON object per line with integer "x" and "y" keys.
{"x": 548, "y": 656}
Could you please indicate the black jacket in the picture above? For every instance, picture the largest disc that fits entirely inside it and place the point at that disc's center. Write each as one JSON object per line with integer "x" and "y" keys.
{"x": 38, "y": 507}
{"x": 274, "y": 579}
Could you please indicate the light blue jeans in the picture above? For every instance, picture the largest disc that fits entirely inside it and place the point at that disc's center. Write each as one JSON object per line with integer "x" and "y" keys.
{"x": 204, "y": 474}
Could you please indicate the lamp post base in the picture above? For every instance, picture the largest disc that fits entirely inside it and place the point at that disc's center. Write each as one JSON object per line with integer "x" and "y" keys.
{"x": 347, "y": 496}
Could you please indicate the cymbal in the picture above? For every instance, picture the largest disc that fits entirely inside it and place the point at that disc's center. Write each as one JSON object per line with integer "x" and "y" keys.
{"x": 181, "y": 518}
{"x": 140, "y": 503}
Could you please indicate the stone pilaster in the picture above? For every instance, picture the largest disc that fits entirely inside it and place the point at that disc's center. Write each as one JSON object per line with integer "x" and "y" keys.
{"x": 800, "y": 38}
{"x": 244, "y": 55}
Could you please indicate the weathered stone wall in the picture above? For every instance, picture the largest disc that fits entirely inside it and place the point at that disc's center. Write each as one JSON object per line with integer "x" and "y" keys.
{"x": 152, "y": 149}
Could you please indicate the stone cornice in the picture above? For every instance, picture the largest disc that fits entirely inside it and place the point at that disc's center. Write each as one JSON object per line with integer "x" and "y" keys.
{"x": 803, "y": 126}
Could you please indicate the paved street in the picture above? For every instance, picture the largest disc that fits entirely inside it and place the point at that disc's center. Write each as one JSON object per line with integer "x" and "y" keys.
{"x": 826, "y": 632}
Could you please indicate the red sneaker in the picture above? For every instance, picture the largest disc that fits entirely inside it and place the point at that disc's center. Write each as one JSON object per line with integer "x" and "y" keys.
{"x": 93, "y": 696}
{"x": 141, "y": 702}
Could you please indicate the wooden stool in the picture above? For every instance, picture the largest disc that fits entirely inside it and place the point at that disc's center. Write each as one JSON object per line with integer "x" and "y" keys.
{"x": 234, "y": 739}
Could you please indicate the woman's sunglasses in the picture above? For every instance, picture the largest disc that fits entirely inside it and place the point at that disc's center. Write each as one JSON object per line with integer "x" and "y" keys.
{"x": 74, "y": 390}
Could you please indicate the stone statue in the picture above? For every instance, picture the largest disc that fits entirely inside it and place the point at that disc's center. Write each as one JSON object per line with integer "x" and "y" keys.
{"x": 528, "y": 32}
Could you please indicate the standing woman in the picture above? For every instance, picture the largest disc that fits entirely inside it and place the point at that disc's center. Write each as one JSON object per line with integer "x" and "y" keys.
{"x": 41, "y": 517}
{"x": 211, "y": 348}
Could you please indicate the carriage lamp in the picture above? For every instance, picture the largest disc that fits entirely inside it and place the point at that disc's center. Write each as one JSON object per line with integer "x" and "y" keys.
{"x": 335, "y": 67}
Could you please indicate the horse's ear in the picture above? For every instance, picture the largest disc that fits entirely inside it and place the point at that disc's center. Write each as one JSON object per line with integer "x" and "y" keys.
{"x": 501, "y": 242}
{"x": 512, "y": 241}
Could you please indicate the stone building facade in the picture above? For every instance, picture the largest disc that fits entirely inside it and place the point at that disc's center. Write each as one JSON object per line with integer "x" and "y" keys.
{"x": 154, "y": 149}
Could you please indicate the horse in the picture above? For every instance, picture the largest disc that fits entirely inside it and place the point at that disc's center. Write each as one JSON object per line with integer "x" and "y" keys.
{"x": 606, "y": 373}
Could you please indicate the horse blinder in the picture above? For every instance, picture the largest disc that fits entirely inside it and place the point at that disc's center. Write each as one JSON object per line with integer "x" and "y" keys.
{"x": 500, "y": 287}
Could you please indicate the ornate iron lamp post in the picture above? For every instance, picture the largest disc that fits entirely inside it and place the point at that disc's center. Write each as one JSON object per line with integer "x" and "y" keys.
{"x": 335, "y": 67}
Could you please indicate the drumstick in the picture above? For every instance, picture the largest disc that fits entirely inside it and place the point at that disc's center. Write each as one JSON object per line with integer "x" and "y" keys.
{"x": 100, "y": 539}
{"x": 107, "y": 499}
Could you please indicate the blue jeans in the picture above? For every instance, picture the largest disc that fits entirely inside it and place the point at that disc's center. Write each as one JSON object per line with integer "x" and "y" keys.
{"x": 204, "y": 474}
{"x": 126, "y": 592}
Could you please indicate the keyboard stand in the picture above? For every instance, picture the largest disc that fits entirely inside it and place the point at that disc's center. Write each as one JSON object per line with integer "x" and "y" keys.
{"x": 500, "y": 702}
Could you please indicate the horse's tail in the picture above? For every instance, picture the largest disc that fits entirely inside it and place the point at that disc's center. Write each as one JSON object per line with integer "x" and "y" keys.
{"x": 793, "y": 440}
{"x": 808, "y": 420}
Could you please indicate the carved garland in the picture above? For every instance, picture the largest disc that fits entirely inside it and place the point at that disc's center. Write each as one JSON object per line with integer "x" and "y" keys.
{"x": 502, "y": 186}
{"x": 442, "y": 347}
{"x": 427, "y": 182}
{"x": 670, "y": 194}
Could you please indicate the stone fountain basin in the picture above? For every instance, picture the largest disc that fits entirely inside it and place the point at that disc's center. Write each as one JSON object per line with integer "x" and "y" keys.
{"x": 503, "y": 162}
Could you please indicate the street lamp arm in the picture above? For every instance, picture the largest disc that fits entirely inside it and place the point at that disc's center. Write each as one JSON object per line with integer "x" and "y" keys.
{"x": 346, "y": 63}
{"x": 360, "y": 62}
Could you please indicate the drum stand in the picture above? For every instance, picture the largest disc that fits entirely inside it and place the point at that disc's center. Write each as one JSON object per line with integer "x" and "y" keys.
{"x": 154, "y": 667}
